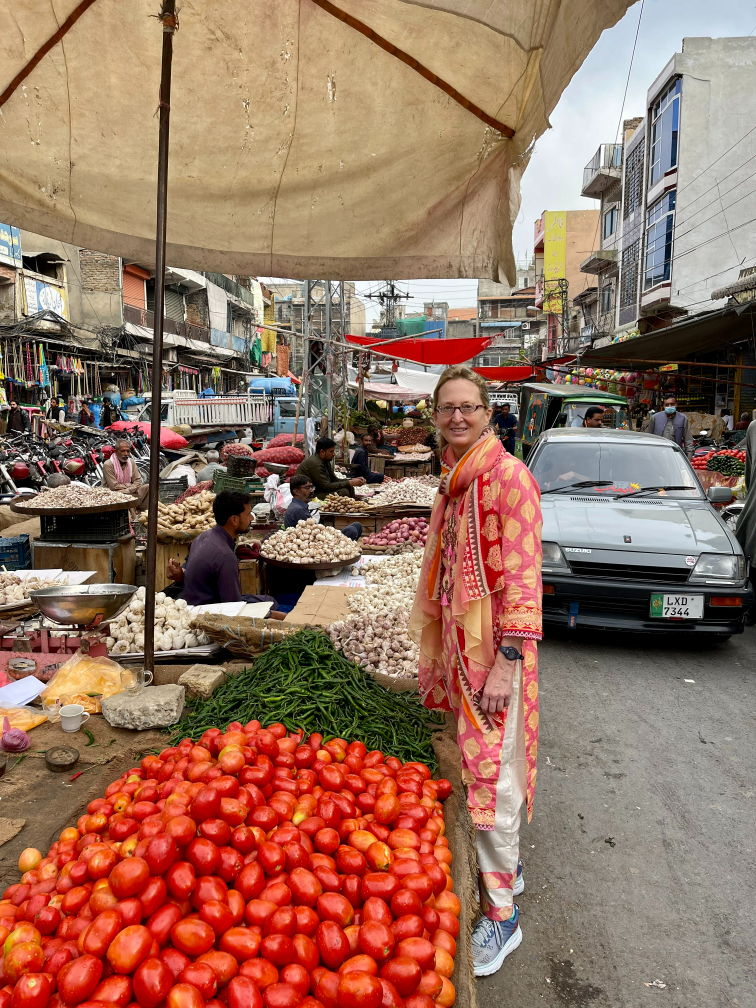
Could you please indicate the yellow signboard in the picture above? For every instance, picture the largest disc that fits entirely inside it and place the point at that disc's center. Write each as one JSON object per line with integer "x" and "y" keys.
{"x": 554, "y": 258}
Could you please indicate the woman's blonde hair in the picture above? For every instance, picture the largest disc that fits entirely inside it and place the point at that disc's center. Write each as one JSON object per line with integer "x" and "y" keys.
{"x": 462, "y": 371}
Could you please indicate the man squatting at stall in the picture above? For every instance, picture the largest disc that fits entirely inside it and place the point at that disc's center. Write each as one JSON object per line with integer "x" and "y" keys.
{"x": 318, "y": 468}
{"x": 211, "y": 571}
{"x": 302, "y": 492}
{"x": 120, "y": 473}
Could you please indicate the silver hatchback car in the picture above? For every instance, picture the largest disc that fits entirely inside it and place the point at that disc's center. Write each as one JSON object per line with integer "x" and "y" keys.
{"x": 630, "y": 540}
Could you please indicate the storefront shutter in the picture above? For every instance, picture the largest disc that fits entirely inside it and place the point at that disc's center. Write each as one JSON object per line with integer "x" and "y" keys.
{"x": 174, "y": 305}
{"x": 133, "y": 289}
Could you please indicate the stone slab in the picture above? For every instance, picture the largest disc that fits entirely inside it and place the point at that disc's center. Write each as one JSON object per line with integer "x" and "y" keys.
{"x": 152, "y": 707}
{"x": 200, "y": 681}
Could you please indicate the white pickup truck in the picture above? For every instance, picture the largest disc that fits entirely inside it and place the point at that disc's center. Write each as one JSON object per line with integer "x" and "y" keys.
{"x": 211, "y": 419}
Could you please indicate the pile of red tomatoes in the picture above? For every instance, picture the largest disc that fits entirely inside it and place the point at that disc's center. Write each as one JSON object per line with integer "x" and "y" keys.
{"x": 254, "y": 869}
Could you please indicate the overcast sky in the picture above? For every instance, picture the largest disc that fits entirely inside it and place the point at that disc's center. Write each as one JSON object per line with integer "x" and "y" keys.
{"x": 588, "y": 114}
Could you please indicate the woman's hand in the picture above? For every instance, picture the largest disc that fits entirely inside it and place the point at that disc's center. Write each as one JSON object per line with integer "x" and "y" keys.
{"x": 498, "y": 689}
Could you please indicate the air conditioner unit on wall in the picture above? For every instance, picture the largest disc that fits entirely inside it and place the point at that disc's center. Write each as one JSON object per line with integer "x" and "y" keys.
{"x": 525, "y": 325}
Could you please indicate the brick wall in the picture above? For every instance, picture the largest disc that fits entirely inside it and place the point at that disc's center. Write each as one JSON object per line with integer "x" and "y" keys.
{"x": 197, "y": 312}
{"x": 99, "y": 272}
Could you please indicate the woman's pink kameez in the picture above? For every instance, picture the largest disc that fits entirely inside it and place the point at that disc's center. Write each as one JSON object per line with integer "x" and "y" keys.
{"x": 480, "y": 582}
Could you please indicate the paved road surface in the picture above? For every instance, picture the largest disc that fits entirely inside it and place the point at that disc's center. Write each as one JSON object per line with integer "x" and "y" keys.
{"x": 639, "y": 861}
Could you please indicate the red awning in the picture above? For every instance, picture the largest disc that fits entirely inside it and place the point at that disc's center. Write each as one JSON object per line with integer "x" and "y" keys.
{"x": 505, "y": 374}
{"x": 427, "y": 351}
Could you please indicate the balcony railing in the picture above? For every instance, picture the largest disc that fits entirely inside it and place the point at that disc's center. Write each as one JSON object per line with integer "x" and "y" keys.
{"x": 603, "y": 170}
{"x": 143, "y": 317}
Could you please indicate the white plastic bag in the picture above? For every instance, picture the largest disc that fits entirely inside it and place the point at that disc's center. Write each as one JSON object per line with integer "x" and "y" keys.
{"x": 277, "y": 494}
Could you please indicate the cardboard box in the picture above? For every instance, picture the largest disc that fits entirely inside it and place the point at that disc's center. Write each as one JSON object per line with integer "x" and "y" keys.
{"x": 320, "y": 605}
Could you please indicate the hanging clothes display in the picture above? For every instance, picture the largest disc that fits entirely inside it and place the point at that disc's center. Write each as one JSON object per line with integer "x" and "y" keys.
{"x": 282, "y": 360}
{"x": 255, "y": 351}
{"x": 268, "y": 341}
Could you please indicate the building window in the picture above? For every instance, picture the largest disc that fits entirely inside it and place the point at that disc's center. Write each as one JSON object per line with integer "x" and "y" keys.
{"x": 633, "y": 179}
{"x": 610, "y": 222}
{"x": 660, "y": 218}
{"x": 629, "y": 275}
{"x": 606, "y": 300}
{"x": 665, "y": 123}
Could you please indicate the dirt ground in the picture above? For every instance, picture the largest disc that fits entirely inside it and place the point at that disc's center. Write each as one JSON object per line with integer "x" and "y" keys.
{"x": 36, "y": 804}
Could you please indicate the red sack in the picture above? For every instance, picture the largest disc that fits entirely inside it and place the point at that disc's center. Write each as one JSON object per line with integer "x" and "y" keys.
{"x": 168, "y": 438}
{"x": 262, "y": 472}
{"x": 284, "y": 440}
{"x": 235, "y": 449}
{"x": 281, "y": 455}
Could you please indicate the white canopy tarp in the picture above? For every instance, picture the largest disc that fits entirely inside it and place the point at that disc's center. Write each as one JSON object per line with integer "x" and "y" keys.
{"x": 299, "y": 146}
{"x": 415, "y": 381}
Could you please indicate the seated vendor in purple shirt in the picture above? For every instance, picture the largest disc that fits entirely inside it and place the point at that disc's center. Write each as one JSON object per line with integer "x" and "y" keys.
{"x": 211, "y": 571}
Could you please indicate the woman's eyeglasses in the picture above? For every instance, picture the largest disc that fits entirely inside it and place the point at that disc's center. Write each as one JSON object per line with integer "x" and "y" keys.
{"x": 465, "y": 410}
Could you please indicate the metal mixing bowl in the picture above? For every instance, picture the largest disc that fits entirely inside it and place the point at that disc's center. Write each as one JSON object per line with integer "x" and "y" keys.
{"x": 80, "y": 605}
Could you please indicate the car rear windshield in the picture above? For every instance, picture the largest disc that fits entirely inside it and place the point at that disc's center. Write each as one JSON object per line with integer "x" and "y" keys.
{"x": 620, "y": 468}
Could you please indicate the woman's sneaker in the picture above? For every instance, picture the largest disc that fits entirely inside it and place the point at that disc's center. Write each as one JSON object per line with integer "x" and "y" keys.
{"x": 492, "y": 941}
{"x": 519, "y": 885}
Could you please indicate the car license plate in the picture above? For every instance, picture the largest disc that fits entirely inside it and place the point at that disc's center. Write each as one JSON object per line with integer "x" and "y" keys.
{"x": 677, "y": 606}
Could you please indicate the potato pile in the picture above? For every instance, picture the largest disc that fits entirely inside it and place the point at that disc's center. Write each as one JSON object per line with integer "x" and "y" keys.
{"x": 307, "y": 542}
{"x": 185, "y": 520}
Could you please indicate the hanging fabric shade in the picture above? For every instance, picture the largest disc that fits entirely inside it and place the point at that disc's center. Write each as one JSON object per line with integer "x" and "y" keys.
{"x": 308, "y": 138}
{"x": 427, "y": 351}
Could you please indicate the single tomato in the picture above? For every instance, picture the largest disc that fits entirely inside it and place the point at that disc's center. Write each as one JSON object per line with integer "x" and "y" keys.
{"x": 129, "y": 948}
{"x": 359, "y": 990}
{"x": 152, "y": 981}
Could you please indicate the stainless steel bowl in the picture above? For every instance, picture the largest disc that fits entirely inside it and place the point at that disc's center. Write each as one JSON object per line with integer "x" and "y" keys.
{"x": 80, "y": 605}
{"x": 275, "y": 467}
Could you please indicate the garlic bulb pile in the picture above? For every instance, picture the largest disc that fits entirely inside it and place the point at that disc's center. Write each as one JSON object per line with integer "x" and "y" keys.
{"x": 15, "y": 589}
{"x": 308, "y": 542}
{"x": 375, "y": 635}
{"x": 410, "y": 491}
{"x": 173, "y": 626}
{"x": 193, "y": 515}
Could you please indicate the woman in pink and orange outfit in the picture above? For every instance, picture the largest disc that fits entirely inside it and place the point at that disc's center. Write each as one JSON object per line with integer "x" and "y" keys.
{"x": 477, "y": 618}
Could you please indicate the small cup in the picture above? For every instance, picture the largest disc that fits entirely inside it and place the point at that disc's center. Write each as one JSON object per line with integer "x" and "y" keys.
{"x": 134, "y": 680}
{"x": 72, "y": 716}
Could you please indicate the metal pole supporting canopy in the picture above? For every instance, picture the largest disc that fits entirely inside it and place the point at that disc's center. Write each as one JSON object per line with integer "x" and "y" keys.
{"x": 167, "y": 18}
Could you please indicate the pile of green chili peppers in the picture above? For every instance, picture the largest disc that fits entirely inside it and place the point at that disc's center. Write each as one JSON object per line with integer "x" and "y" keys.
{"x": 305, "y": 683}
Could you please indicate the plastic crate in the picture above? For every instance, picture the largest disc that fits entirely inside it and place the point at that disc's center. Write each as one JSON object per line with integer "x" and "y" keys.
{"x": 222, "y": 481}
{"x": 15, "y": 552}
{"x": 171, "y": 489}
{"x": 240, "y": 466}
{"x": 108, "y": 526}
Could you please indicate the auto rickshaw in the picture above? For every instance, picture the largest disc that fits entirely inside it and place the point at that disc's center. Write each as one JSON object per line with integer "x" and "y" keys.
{"x": 543, "y": 406}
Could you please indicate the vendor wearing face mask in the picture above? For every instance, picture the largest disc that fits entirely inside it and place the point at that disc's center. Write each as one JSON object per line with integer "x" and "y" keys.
{"x": 671, "y": 425}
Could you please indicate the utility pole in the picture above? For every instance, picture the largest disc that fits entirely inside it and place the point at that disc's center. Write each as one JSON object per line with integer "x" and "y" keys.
{"x": 388, "y": 298}
{"x": 324, "y": 370}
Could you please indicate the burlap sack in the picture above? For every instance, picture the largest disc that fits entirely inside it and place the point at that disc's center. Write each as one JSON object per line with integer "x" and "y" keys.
{"x": 241, "y": 635}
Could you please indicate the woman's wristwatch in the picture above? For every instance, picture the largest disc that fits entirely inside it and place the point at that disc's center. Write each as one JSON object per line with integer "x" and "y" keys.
{"x": 511, "y": 654}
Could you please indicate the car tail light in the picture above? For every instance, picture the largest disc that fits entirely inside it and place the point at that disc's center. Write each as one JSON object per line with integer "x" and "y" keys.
{"x": 725, "y": 600}
{"x": 549, "y": 590}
